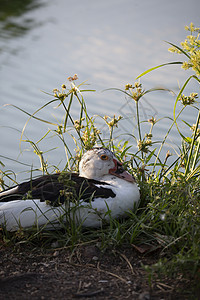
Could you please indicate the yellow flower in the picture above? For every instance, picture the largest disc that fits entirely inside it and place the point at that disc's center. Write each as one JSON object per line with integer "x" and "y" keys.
{"x": 191, "y": 47}
{"x": 128, "y": 86}
{"x": 152, "y": 120}
{"x": 185, "y": 65}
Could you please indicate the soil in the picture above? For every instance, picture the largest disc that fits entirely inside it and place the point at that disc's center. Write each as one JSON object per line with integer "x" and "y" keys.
{"x": 84, "y": 273}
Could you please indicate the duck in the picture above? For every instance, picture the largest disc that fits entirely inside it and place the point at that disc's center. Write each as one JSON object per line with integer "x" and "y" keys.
{"x": 101, "y": 190}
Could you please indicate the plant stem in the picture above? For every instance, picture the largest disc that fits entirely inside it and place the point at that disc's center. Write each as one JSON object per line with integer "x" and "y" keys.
{"x": 191, "y": 148}
{"x": 157, "y": 156}
{"x": 138, "y": 123}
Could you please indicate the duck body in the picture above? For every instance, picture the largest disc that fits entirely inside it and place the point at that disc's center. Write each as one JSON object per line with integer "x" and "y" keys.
{"x": 102, "y": 190}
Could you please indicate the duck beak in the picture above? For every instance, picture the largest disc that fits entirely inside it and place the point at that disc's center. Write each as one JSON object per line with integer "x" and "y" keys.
{"x": 120, "y": 172}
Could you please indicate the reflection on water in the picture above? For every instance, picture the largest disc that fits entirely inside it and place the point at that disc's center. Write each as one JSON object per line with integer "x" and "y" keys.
{"x": 9, "y": 14}
{"x": 107, "y": 43}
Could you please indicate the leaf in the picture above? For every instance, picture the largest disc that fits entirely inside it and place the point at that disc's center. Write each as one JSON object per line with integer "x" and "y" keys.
{"x": 144, "y": 248}
{"x": 33, "y": 115}
{"x": 196, "y": 171}
{"x": 177, "y": 47}
{"x": 154, "y": 68}
{"x": 186, "y": 123}
{"x": 2, "y": 164}
{"x": 150, "y": 155}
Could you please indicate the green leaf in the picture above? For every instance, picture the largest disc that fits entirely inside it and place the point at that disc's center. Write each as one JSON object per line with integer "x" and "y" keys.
{"x": 193, "y": 172}
{"x": 177, "y": 47}
{"x": 150, "y": 155}
{"x": 154, "y": 68}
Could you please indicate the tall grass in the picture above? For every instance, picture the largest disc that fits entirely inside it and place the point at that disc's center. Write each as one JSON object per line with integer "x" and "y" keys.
{"x": 168, "y": 217}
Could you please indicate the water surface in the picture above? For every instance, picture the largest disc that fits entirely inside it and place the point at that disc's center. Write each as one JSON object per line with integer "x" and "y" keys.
{"x": 107, "y": 43}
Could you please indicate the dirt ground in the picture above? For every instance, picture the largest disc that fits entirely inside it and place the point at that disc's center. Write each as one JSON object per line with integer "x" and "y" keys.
{"x": 84, "y": 273}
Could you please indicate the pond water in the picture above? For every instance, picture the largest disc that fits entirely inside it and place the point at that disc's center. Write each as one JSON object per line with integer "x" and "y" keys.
{"x": 108, "y": 43}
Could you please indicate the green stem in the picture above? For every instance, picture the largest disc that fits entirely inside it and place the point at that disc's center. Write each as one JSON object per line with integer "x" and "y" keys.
{"x": 138, "y": 122}
{"x": 191, "y": 148}
{"x": 84, "y": 108}
{"x": 163, "y": 142}
{"x": 67, "y": 109}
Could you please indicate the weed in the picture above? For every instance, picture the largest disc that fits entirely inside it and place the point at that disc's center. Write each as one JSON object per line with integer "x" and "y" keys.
{"x": 168, "y": 217}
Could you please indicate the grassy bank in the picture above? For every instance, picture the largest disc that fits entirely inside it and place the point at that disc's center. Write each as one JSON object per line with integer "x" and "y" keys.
{"x": 168, "y": 218}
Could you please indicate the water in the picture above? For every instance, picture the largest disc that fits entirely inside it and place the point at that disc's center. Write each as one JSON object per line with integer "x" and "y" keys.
{"x": 107, "y": 43}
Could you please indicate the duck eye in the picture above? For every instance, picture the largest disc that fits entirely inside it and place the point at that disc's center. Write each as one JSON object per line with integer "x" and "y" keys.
{"x": 104, "y": 157}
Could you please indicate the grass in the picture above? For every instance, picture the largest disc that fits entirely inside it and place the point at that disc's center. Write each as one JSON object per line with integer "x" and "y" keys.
{"x": 168, "y": 218}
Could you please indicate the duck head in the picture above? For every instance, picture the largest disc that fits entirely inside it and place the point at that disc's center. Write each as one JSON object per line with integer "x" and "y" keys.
{"x": 99, "y": 162}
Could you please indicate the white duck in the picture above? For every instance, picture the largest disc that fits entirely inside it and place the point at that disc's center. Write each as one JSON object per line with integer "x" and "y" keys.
{"x": 102, "y": 190}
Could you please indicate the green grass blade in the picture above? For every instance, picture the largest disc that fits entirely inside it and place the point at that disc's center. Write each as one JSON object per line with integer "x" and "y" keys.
{"x": 154, "y": 68}
{"x": 192, "y": 146}
{"x": 180, "y": 49}
{"x": 33, "y": 115}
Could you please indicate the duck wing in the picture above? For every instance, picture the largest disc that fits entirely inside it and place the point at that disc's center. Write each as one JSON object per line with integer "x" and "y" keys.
{"x": 55, "y": 189}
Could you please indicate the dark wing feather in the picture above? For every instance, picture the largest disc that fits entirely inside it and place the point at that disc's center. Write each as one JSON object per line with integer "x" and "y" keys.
{"x": 58, "y": 188}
